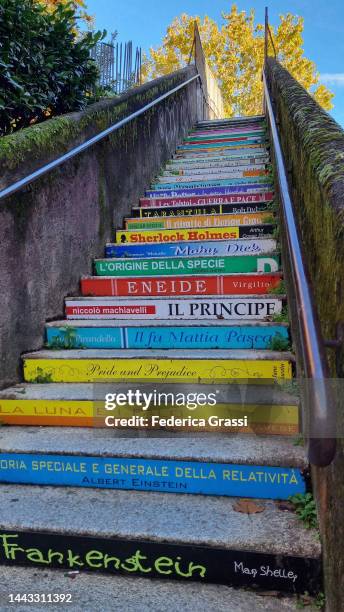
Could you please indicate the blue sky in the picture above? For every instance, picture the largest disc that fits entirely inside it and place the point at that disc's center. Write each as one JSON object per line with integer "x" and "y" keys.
{"x": 145, "y": 23}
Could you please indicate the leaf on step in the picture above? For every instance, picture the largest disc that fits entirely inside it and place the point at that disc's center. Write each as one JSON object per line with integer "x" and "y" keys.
{"x": 247, "y": 506}
{"x": 285, "y": 505}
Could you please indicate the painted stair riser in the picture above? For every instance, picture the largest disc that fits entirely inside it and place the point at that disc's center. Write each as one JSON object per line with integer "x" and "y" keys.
{"x": 202, "y": 371}
{"x": 226, "y": 200}
{"x": 188, "y": 173}
{"x": 236, "y": 131}
{"x": 155, "y": 475}
{"x": 209, "y": 209}
{"x": 209, "y": 248}
{"x": 195, "y": 234}
{"x": 263, "y": 419}
{"x": 236, "y": 136}
{"x": 242, "y": 153}
{"x": 208, "y": 191}
{"x": 245, "y": 145}
{"x": 199, "y": 309}
{"x": 212, "y": 164}
{"x": 227, "y": 133}
{"x": 236, "y": 284}
{"x": 226, "y": 140}
{"x": 233, "y": 337}
{"x": 159, "y": 560}
{"x": 195, "y": 265}
{"x": 193, "y": 182}
{"x": 223, "y": 150}
{"x": 200, "y": 221}
{"x": 227, "y": 149}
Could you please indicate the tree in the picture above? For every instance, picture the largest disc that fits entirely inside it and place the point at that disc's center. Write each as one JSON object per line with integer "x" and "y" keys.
{"x": 77, "y": 4}
{"x": 235, "y": 54}
{"x": 45, "y": 69}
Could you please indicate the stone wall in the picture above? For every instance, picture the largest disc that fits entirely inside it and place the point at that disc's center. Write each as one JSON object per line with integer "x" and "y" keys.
{"x": 313, "y": 146}
{"x": 51, "y": 231}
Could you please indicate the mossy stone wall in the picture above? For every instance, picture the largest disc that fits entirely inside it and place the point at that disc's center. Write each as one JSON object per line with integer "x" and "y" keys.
{"x": 313, "y": 146}
{"x": 51, "y": 231}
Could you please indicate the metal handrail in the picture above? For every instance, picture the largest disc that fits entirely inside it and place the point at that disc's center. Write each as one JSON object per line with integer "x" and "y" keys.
{"x": 30, "y": 178}
{"x": 272, "y": 41}
{"x": 321, "y": 451}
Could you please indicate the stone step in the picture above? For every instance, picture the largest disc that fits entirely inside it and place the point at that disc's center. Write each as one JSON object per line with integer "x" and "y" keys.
{"x": 207, "y": 209}
{"x": 209, "y": 308}
{"x": 244, "y": 146}
{"x": 269, "y": 410}
{"x": 243, "y": 143}
{"x": 218, "y": 162}
{"x": 230, "y": 284}
{"x": 231, "y": 190}
{"x": 190, "y": 184}
{"x": 230, "y": 199}
{"x": 117, "y": 593}
{"x": 233, "y": 156}
{"x": 196, "y": 234}
{"x": 232, "y": 121}
{"x": 159, "y": 535}
{"x": 165, "y": 465}
{"x": 246, "y": 246}
{"x": 215, "y": 172}
{"x": 236, "y": 131}
{"x": 199, "y": 221}
{"x": 244, "y": 130}
{"x": 176, "y": 365}
{"x": 164, "y": 335}
{"x": 226, "y": 139}
{"x": 168, "y": 266}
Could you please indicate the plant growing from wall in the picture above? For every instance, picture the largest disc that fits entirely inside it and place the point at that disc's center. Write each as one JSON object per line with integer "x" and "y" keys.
{"x": 45, "y": 66}
{"x": 305, "y": 509}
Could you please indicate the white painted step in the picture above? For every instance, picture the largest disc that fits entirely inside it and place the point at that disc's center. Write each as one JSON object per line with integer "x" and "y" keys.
{"x": 160, "y": 308}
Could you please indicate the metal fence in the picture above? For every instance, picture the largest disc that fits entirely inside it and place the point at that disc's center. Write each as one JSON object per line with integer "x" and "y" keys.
{"x": 119, "y": 68}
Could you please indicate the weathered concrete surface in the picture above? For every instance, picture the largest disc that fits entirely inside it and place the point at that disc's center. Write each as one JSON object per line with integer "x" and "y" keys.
{"x": 217, "y": 448}
{"x": 58, "y": 225}
{"x": 117, "y": 593}
{"x": 313, "y": 146}
{"x": 190, "y": 519}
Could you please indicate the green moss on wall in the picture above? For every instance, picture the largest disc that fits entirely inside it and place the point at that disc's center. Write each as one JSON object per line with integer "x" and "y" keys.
{"x": 313, "y": 145}
{"x": 60, "y": 134}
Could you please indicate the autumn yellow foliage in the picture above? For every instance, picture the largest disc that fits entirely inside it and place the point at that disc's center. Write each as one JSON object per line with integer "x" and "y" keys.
{"x": 78, "y": 4}
{"x": 235, "y": 54}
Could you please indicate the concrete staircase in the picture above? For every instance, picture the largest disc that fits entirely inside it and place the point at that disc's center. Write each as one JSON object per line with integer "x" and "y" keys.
{"x": 188, "y": 300}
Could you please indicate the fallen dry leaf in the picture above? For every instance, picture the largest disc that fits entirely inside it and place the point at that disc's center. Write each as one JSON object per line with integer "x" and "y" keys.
{"x": 247, "y": 506}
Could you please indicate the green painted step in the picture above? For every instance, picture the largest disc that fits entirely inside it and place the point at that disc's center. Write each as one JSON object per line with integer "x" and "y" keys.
{"x": 169, "y": 266}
